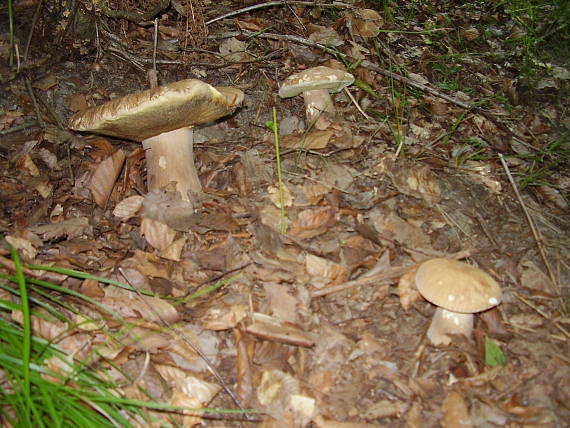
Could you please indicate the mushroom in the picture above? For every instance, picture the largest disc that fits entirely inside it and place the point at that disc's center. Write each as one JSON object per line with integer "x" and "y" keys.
{"x": 459, "y": 290}
{"x": 162, "y": 118}
{"x": 316, "y": 84}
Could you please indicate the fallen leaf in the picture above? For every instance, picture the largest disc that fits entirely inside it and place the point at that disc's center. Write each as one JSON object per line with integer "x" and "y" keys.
{"x": 455, "y": 412}
{"x": 407, "y": 290}
{"x": 71, "y": 228}
{"x": 313, "y": 222}
{"x": 128, "y": 207}
{"x": 105, "y": 176}
{"x": 314, "y": 140}
{"x": 328, "y": 271}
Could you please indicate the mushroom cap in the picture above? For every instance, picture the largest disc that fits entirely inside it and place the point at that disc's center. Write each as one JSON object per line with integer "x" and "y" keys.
{"x": 320, "y": 77}
{"x": 145, "y": 114}
{"x": 457, "y": 286}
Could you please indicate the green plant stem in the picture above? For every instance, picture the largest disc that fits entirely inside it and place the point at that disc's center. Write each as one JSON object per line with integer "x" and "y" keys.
{"x": 27, "y": 338}
{"x": 279, "y": 174}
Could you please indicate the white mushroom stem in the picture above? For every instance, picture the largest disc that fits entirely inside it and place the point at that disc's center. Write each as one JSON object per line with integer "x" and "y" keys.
{"x": 170, "y": 159}
{"x": 317, "y": 102}
{"x": 445, "y": 322}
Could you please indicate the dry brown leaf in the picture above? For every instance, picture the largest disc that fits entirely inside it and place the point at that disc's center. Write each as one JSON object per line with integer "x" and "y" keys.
{"x": 183, "y": 354}
{"x": 144, "y": 374}
{"x": 275, "y": 196}
{"x": 26, "y": 247}
{"x": 174, "y": 250}
{"x": 279, "y": 395}
{"x": 270, "y": 328}
{"x": 281, "y": 303}
{"x": 234, "y": 50}
{"x": 157, "y": 234}
{"x": 321, "y": 422}
{"x": 383, "y": 409}
{"x": 365, "y": 22}
{"x": 144, "y": 339}
{"x": 25, "y": 163}
{"x": 324, "y": 35}
{"x": 105, "y": 176}
{"x": 128, "y": 207}
{"x": 71, "y": 228}
{"x": 455, "y": 412}
{"x": 313, "y": 222}
{"x": 407, "y": 290}
{"x": 8, "y": 117}
{"x": 77, "y": 102}
{"x": 148, "y": 264}
{"x": 245, "y": 346}
{"x": 150, "y": 308}
{"x": 314, "y": 140}
{"x": 223, "y": 316}
{"x": 327, "y": 270}
{"x": 46, "y": 82}
{"x": 44, "y": 189}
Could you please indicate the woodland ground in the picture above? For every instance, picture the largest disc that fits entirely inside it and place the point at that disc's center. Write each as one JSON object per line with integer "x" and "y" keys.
{"x": 459, "y": 98}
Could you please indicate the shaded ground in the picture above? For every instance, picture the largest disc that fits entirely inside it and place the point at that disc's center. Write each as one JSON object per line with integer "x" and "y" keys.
{"x": 288, "y": 344}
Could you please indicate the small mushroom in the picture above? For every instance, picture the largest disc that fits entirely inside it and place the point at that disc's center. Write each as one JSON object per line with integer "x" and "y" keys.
{"x": 162, "y": 118}
{"x": 316, "y": 84}
{"x": 459, "y": 290}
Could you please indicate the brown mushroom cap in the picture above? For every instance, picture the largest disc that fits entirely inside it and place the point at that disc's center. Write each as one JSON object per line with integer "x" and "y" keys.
{"x": 457, "y": 286}
{"x": 320, "y": 77}
{"x": 145, "y": 114}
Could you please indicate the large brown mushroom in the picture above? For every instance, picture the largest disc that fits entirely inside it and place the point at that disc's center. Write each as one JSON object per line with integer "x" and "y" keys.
{"x": 458, "y": 290}
{"x": 163, "y": 118}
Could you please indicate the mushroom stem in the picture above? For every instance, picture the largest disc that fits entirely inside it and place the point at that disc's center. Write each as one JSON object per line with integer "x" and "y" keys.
{"x": 446, "y": 322}
{"x": 170, "y": 158}
{"x": 317, "y": 102}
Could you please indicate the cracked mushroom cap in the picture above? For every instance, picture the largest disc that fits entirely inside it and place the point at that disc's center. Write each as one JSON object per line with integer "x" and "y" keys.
{"x": 457, "y": 286}
{"x": 145, "y": 114}
{"x": 320, "y": 77}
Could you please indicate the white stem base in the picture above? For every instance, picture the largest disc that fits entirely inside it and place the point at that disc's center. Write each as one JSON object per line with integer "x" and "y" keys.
{"x": 170, "y": 159}
{"x": 445, "y": 322}
{"x": 318, "y": 105}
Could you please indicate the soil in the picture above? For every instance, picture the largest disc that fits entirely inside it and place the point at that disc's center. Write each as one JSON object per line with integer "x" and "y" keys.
{"x": 418, "y": 178}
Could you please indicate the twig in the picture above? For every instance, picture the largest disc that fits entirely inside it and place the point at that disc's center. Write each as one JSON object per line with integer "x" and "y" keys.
{"x": 35, "y": 103}
{"x": 365, "y": 63}
{"x": 18, "y": 128}
{"x": 30, "y": 35}
{"x": 543, "y": 315}
{"x": 534, "y": 230}
{"x": 190, "y": 343}
{"x": 389, "y": 275}
{"x": 277, "y": 3}
{"x": 133, "y": 16}
{"x": 356, "y": 104}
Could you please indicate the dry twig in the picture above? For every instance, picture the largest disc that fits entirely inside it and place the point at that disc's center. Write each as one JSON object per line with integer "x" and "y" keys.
{"x": 277, "y": 3}
{"x": 534, "y": 230}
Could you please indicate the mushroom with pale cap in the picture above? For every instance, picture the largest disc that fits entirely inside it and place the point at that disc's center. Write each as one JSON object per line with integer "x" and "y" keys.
{"x": 162, "y": 118}
{"x": 316, "y": 84}
{"x": 459, "y": 290}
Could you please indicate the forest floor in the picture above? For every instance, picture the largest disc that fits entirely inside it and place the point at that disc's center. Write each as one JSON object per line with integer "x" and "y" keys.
{"x": 453, "y": 142}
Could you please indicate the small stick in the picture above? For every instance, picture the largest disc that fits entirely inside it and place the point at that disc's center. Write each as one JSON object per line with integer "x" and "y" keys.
{"x": 543, "y": 315}
{"x": 152, "y": 74}
{"x": 389, "y": 275}
{"x": 356, "y": 104}
{"x": 35, "y": 103}
{"x": 535, "y": 232}
{"x": 34, "y": 22}
{"x": 276, "y": 3}
{"x": 365, "y": 63}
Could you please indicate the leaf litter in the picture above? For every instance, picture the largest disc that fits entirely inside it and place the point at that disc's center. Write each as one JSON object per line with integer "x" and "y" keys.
{"x": 322, "y": 325}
